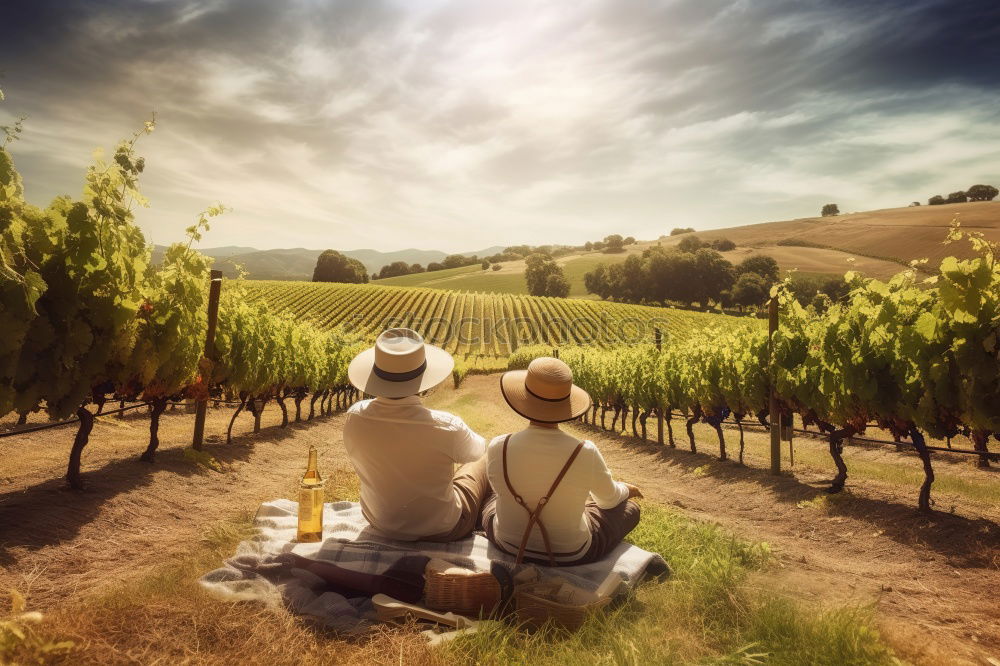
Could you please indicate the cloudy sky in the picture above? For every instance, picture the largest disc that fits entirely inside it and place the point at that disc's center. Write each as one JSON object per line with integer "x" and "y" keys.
{"x": 460, "y": 125}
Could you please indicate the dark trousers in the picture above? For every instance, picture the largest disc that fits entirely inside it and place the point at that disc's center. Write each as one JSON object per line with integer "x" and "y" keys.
{"x": 607, "y": 529}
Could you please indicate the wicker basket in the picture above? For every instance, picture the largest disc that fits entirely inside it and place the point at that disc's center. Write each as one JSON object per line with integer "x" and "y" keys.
{"x": 535, "y": 607}
{"x": 476, "y": 593}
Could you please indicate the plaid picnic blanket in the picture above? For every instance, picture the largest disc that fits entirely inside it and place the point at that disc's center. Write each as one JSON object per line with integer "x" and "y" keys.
{"x": 272, "y": 568}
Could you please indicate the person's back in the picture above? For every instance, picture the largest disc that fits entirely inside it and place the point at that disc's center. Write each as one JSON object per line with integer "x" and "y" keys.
{"x": 405, "y": 455}
{"x": 534, "y": 458}
{"x": 554, "y": 500}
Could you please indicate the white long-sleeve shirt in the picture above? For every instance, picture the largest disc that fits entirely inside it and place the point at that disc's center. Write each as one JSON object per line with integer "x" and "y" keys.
{"x": 534, "y": 457}
{"x": 405, "y": 456}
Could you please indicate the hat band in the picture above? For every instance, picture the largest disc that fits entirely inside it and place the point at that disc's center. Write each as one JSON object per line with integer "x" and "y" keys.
{"x": 566, "y": 397}
{"x": 399, "y": 376}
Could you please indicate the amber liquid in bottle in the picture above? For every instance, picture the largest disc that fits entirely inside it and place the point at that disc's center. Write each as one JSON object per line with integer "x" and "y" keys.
{"x": 311, "y": 502}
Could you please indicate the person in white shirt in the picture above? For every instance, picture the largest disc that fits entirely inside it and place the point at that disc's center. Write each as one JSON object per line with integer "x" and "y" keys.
{"x": 555, "y": 500}
{"x": 404, "y": 453}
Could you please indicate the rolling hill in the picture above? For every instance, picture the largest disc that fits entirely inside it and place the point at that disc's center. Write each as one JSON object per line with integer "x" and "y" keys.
{"x": 880, "y": 242}
{"x": 896, "y": 235}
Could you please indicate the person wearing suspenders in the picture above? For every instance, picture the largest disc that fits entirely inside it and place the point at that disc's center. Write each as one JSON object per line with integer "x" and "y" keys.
{"x": 555, "y": 500}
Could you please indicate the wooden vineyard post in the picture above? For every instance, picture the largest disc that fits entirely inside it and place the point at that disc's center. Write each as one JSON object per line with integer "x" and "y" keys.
{"x": 213, "y": 318}
{"x": 787, "y": 430}
{"x": 772, "y": 327}
{"x": 658, "y": 339}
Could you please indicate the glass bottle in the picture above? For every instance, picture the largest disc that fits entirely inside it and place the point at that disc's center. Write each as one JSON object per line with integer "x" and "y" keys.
{"x": 311, "y": 502}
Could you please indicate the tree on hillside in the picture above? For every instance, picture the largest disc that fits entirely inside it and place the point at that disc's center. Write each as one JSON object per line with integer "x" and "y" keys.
{"x": 712, "y": 275}
{"x": 762, "y": 265}
{"x": 830, "y": 209}
{"x": 629, "y": 240}
{"x": 723, "y": 245}
{"x": 596, "y": 281}
{"x": 332, "y": 266}
{"x": 485, "y": 264}
{"x": 677, "y": 231}
{"x": 750, "y": 290}
{"x": 416, "y": 268}
{"x": 935, "y": 200}
{"x": 982, "y": 193}
{"x": 497, "y": 267}
{"x": 588, "y": 246}
{"x": 434, "y": 266}
{"x": 539, "y": 272}
{"x": 557, "y": 284}
{"x": 614, "y": 243}
{"x": 914, "y": 203}
{"x": 459, "y": 260}
{"x": 956, "y": 197}
{"x": 690, "y": 244}
{"x": 395, "y": 269}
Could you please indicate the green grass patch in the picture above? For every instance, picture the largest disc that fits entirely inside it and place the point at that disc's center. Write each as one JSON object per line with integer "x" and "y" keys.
{"x": 706, "y": 613}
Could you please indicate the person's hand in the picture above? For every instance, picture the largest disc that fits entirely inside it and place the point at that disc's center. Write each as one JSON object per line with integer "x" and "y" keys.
{"x": 633, "y": 491}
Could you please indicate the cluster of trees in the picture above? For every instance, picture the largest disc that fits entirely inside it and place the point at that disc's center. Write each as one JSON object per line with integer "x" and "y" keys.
{"x": 396, "y": 269}
{"x": 693, "y": 244}
{"x": 333, "y": 266}
{"x": 452, "y": 261}
{"x": 610, "y": 245}
{"x": 545, "y": 277}
{"x": 677, "y": 231}
{"x": 974, "y": 193}
{"x": 701, "y": 276}
{"x": 978, "y": 192}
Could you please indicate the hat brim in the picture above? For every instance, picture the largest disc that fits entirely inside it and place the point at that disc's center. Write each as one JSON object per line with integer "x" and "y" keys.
{"x": 536, "y": 409}
{"x": 361, "y": 373}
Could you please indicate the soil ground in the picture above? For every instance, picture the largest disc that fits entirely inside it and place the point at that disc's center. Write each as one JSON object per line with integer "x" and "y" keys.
{"x": 933, "y": 579}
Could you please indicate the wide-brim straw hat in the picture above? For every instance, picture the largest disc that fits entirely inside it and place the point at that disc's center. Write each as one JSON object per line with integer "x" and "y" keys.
{"x": 400, "y": 364}
{"x": 545, "y": 392}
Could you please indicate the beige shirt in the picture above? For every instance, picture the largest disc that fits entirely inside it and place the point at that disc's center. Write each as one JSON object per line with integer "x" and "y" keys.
{"x": 405, "y": 455}
{"x": 534, "y": 457}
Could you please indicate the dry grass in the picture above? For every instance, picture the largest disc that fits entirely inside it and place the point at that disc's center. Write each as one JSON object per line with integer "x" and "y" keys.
{"x": 898, "y": 233}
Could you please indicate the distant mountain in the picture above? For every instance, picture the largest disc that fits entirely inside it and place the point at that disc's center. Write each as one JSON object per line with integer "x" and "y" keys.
{"x": 298, "y": 263}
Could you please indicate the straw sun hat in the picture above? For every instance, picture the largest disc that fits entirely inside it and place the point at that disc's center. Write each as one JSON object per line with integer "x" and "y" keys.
{"x": 544, "y": 392}
{"x": 399, "y": 365}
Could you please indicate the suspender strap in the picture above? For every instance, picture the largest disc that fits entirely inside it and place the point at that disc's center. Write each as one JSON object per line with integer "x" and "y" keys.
{"x": 535, "y": 516}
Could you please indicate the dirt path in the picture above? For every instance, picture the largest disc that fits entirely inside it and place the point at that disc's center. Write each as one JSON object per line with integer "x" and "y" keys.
{"x": 934, "y": 579}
